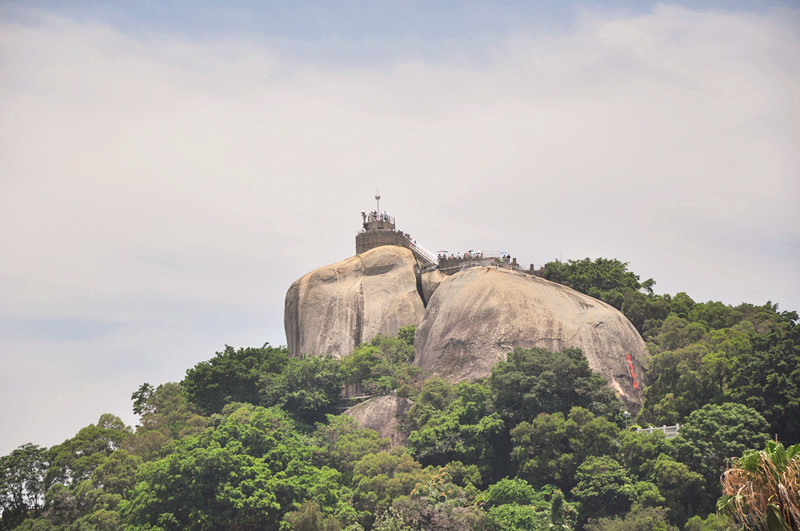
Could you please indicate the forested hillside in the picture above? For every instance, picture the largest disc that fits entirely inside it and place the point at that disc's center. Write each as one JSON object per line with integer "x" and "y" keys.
{"x": 256, "y": 439}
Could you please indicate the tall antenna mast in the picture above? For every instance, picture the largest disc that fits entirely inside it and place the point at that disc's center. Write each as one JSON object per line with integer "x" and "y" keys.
{"x": 378, "y": 199}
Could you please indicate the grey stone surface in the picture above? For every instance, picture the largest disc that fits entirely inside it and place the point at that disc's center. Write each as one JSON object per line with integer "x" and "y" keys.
{"x": 382, "y": 414}
{"x": 475, "y": 317}
{"x": 431, "y": 281}
{"x": 335, "y": 308}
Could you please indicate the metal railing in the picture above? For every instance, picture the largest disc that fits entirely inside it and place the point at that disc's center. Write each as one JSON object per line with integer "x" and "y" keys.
{"x": 429, "y": 256}
{"x": 377, "y": 217}
{"x": 669, "y": 431}
{"x": 485, "y": 262}
{"x": 466, "y": 255}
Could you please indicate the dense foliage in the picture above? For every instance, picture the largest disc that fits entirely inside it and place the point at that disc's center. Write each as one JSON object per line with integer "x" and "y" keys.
{"x": 254, "y": 439}
{"x": 606, "y": 279}
{"x": 536, "y": 381}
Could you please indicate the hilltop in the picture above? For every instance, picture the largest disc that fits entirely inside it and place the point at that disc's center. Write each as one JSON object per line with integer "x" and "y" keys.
{"x": 470, "y": 310}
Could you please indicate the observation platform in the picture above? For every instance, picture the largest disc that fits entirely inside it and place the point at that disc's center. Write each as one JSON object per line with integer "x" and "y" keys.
{"x": 379, "y": 229}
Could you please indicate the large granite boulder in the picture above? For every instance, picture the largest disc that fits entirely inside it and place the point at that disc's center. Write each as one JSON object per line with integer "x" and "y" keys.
{"x": 383, "y": 414}
{"x": 430, "y": 280}
{"x": 336, "y": 308}
{"x": 475, "y": 317}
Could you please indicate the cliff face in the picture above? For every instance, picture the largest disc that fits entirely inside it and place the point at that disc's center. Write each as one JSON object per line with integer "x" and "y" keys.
{"x": 335, "y": 308}
{"x": 471, "y": 319}
{"x": 475, "y": 317}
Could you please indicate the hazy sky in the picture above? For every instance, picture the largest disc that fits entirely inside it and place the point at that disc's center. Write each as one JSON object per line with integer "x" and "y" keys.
{"x": 166, "y": 171}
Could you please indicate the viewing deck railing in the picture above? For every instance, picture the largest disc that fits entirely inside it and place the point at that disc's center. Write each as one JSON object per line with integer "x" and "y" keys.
{"x": 486, "y": 262}
{"x": 374, "y": 217}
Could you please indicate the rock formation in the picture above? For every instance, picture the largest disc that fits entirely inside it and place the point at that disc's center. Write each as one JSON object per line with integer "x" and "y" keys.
{"x": 335, "y": 308}
{"x": 431, "y": 281}
{"x": 383, "y": 415}
{"x": 467, "y": 321}
{"x": 475, "y": 317}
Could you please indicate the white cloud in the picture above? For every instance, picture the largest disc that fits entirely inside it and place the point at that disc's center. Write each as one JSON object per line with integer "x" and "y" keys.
{"x": 159, "y": 194}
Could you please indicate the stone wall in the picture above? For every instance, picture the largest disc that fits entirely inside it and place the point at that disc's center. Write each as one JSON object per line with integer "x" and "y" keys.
{"x": 371, "y": 239}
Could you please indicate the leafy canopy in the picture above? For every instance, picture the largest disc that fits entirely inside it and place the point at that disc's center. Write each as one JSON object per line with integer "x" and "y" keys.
{"x": 537, "y": 380}
{"x": 232, "y": 376}
{"x": 245, "y": 474}
{"x": 467, "y": 430}
{"x": 605, "y": 279}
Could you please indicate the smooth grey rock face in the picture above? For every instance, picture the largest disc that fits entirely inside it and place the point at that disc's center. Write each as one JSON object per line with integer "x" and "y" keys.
{"x": 382, "y": 414}
{"x": 335, "y": 308}
{"x": 475, "y": 317}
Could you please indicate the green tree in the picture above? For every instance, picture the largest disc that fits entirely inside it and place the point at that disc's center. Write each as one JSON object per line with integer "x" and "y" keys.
{"x": 83, "y": 485}
{"x": 117, "y": 474}
{"x": 406, "y": 335}
{"x": 469, "y": 430}
{"x": 699, "y": 373}
{"x": 76, "y": 458}
{"x": 245, "y": 474}
{"x": 342, "y": 443}
{"x": 536, "y": 380}
{"x": 381, "y": 478}
{"x": 439, "y": 505}
{"x": 510, "y": 491}
{"x": 710, "y": 436}
{"x": 466, "y": 476}
{"x": 37, "y": 524}
{"x": 308, "y": 388}
{"x": 639, "y": 518}
{"x": 382, "y": 364}
{"x": 396, "y": 349}
{"x": 638, "y": 452}
{"x": 682, "y": 488}
{"x": 713, "y": 314}
{"x": 232, "y": 376}
{"x": 767, "y": 379}
{"x": 309, "y": 517}
{"x": 603, "y": 488}
{"x": 514, "y": 516}
{"x": 141, "y": 396}
{"x": 724, "y": 348}
{"x": 763, "y": 317}
{"x": 679, "y": 385}
{"x": 606, "y": 279}
{"x": 681, "y": 305}
{"x": 93, "y": 503}
{"x": 166, "y": 415}
{"x": 433, "y": 399}
{"x": 754, "y": 359}
{"x": 515, "y": 504}
{"x": 22, "y": 485}
{"x": 648, "y": 495}
{"x": 713, "y": 522}
{"x": 677, "y": 332}
{"x": 645, "y": 312}
{"x": 391, "y": 520}
{"x": 549, "y": 449}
